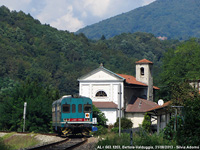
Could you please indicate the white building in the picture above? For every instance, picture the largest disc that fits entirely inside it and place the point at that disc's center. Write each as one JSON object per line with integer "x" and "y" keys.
{"x": 107, "y": 89}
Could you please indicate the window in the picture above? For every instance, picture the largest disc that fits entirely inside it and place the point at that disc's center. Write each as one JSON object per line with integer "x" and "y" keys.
{"x": 101, "y": 94}
{"x": 66, "y": 108}
{"x": 73, "y": 108}
{"x": 142, "y": 71}
{"x": 80, "y": 108}
{"x": 87, "y": 108}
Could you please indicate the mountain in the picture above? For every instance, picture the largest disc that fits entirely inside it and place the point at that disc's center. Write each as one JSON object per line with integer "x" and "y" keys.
{"x": 33, "y": 51}
{"x": 174, "y": 19}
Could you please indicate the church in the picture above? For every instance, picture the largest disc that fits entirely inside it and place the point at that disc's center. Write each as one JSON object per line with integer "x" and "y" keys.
{"x": 116, "y": 94}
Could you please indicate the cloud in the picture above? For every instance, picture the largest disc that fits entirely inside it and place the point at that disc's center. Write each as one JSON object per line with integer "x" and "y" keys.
{"x": 96, "y": 7}
{"x": 15, "y": 5}
{"x": 147, "y": 2}
{"x": 68, "y": 21}
{"x": 72, "y": 15}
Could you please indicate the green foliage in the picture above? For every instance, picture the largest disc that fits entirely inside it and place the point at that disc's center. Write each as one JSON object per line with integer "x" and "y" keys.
{"x": 139, "y": 139}
{"x": 125, "y": 123}
{"x": 157, "y": 18}
{"x": 188, "y": 133}
{"x": 179, "y": 65}
{"x": 102, "y": 130}
{"x": 146, "y": 139}
{"x": 3, "y": 146}
{"x": 39, "y": 100}
{"x": 59, "y": 58}
{"x": 20, "y": 142}
{"x": 124, "y": 139}
{"x": 146, "y": 123}
{"x": 101, "y": 119}
{"x": 169, "y": 130}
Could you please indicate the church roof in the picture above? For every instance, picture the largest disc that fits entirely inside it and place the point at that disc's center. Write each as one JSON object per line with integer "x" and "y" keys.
{"x": 99, "y": 69}
{"x": 105, "y": 104}
{"x": 132, "y": 80}
{"x": 141, "y": 105}
{"x": 144, "y": 61}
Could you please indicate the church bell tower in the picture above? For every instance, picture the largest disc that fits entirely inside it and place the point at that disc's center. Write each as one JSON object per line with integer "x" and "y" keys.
{"x": 144, "y": 75}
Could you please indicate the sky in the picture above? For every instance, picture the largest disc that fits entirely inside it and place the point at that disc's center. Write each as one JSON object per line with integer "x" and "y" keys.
{"x": 72, "y": 15}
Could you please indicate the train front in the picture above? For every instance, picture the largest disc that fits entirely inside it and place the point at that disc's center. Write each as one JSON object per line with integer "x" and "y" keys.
{"x": 76, "y": 115}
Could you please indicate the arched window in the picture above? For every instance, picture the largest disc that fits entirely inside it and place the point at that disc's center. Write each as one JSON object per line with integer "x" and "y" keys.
{"x": 142, "y": 71}
{"x": 101, "y": 94}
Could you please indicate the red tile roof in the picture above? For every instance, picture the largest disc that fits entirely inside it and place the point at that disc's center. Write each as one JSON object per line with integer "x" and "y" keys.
{"x": 144, "y": 61}
{"x": 140, "y": 105}
{"x": 105, "y": 104}
{"x": 132, "y": 80}
{"x": 159, "y": 107}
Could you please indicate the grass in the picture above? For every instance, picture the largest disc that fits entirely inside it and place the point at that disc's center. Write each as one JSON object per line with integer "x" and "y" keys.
{"x": 113, "y": 141}
{"x": 11, "y": 141}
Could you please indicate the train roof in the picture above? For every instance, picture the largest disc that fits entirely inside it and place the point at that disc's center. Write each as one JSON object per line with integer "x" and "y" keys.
{"x": 67, "y": 96}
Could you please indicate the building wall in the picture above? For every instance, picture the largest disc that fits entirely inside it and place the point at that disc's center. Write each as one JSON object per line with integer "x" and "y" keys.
{"x": 136, "y": 118}
{"x": 89, "y": 89}
{"x": 111, "y": 115}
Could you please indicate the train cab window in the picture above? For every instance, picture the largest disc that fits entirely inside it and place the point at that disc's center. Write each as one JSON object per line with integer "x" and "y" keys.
{"x": 73, "y": 108}
{"x": 87, "y": 108}
{"x": 80, "y": 108}
{"x": 66, "y": 108}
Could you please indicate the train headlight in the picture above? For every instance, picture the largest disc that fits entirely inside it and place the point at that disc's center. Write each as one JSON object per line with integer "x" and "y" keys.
{"x": 87, "y": 115}
{"x": 66, "y": 119}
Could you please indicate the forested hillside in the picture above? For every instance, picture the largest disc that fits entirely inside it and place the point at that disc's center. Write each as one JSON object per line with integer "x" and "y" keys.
{"x": 38, "y": 64}
{"x": 39, "y": 52}
{"x": 174, "y": 19}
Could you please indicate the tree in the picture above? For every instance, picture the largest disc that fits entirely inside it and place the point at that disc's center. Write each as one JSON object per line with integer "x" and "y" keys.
{"x": 146, "y": 123}
{"x": 179, "y": 65}
{"x": 39, "y": 103}
{"x": 125, "y": 123}
{"x": 101, "y": 119}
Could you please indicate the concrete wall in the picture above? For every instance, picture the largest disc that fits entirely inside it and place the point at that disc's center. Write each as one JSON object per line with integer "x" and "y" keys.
{"x": 111, "y": 115}
{"x": 136, "y": 118}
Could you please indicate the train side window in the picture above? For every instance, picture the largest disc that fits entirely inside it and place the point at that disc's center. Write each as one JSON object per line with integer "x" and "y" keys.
{"x": 66, "y": 108}
{"x": 73, "y": 108}
{"x": 87, "y": 108}
{"x": 80, "y": 108}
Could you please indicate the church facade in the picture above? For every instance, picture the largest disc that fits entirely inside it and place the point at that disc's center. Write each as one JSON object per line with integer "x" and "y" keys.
{"x": 114, "y": 93}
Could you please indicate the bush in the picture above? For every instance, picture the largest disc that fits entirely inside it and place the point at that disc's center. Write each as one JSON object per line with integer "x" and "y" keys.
{"x": 125, "y": 123}
{"x": 116, "y": 129}
{"x": 101, "y": 131}
{"x": 124, "y": 139}
{"x": 101, "y": 119}
{"x": 146, "y": 124}
{"x": 145, "y": 139}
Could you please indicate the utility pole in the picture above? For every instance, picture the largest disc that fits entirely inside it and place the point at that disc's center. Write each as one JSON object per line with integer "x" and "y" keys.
{"x": 119, "y": 109}
{"x": 24, "y": 115}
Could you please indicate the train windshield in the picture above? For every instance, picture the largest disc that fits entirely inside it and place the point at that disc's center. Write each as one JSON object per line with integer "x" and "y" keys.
{"x": 66, "y": 108}
{"x": 87, "y": 108}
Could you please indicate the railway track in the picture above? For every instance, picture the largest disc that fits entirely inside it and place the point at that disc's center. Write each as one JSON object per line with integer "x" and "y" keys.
{"x": 68, "y": 143}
